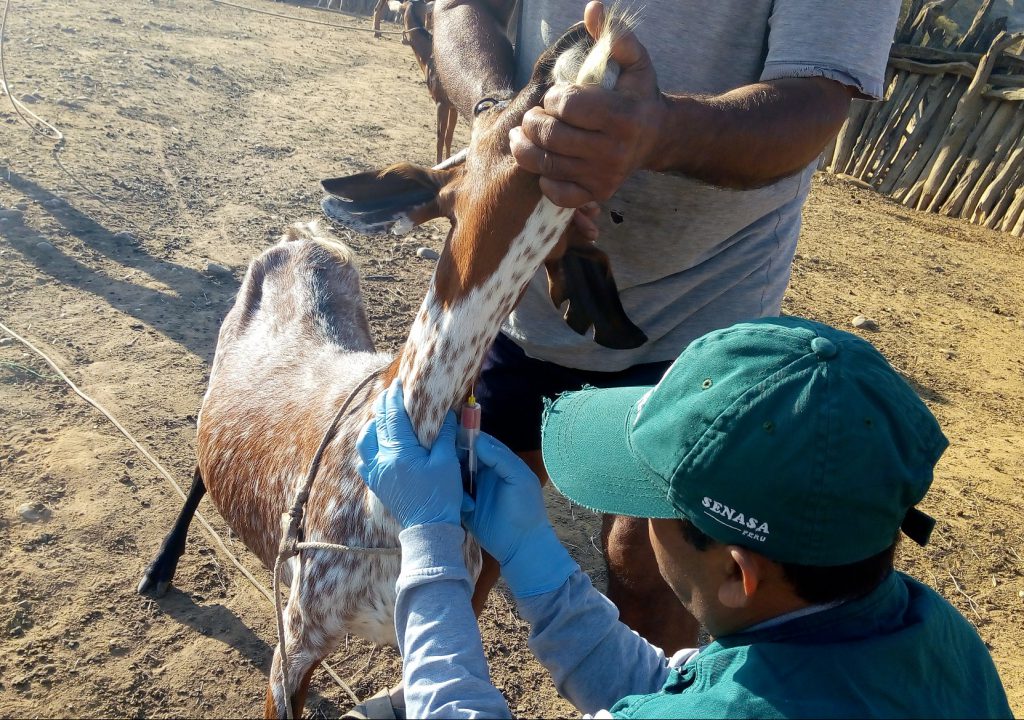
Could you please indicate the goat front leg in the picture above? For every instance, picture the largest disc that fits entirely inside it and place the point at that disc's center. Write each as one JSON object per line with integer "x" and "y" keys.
{"x": 305, "y": 652}
{"x": 298, "y": 699}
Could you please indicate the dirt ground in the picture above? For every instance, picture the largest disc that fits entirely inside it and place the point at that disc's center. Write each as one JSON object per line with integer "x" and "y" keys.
{"x": 205, "y": 129}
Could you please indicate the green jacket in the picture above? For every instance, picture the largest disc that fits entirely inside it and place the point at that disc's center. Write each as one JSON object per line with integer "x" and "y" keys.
{"x": 901, "y": 651}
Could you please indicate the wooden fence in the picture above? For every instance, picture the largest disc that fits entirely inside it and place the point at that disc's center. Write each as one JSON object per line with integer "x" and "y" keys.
{"x": 948, "y": 136}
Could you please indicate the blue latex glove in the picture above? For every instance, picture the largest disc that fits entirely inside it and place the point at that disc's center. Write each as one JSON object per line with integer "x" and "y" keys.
{"x": 509, "y": 519}
{"x": 416, "y": 485}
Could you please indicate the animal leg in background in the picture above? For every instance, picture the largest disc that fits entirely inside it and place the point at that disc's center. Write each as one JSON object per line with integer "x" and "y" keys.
{"x": 453, "y": 118}
{"x": 378, "y": 14}
{"x": 443, "y": 120}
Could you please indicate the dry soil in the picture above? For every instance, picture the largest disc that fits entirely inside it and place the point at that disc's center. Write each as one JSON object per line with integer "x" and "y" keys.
{"x": 204, "y": 129}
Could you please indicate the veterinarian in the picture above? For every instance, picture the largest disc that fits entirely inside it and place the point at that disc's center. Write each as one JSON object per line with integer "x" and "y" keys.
{"x": 774, "y": 466}
{"x": 701, "y": 160}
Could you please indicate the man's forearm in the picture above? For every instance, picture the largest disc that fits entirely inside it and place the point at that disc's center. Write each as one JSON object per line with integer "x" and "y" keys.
{"x": 444, "y": 668}
{"x": 472, "y": 54}
{"x": 751, "y": 136}
{"x": 593, "y": 658}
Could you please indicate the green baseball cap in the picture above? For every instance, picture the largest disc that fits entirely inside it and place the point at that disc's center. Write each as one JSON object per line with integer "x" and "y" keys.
{"x": 783, "y": 435}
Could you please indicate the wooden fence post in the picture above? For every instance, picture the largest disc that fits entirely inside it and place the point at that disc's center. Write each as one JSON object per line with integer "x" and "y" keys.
{"x": 984, "y": 150}
{"x": 985, "y": 213}
{"x": 1003, "y": 147}
{"x": 931, "y": 130}
{"x": 963, "y": 119}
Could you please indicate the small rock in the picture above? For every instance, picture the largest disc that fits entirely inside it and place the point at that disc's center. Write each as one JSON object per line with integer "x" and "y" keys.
{"x": 125, "y": 238}
{"x": 45, "y": 247}
{"x": 217, "y": 270}
{"x": 427, "y": 254}
{"x": 29, "y": 99}
{"x": 192, "y": 79}
{"x": 116, "y": 648}
{"x": 864, "y": 323}
{"x": 855, "y": 181}
{"x": 34, "y": 512}
{"x": 21, "y": 205}
{"x": 54, "y": 203}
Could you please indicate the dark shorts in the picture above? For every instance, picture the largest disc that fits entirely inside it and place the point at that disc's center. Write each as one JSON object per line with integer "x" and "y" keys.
{"x": 512, "y": 386}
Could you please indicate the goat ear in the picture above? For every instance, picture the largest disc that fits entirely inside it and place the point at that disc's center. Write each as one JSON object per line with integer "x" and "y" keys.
{"x": 576, "y": 39}
{"x": 583, "y": 276}
{"x": 397, "y": 199}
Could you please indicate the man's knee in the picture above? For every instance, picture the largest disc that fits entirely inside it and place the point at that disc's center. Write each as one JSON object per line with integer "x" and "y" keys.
{"x": 535, "y": 462}
{"x": 628, "y": 552}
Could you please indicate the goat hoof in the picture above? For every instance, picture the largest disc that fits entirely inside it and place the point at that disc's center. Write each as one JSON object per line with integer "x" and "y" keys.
{"x": 150, "y": 585}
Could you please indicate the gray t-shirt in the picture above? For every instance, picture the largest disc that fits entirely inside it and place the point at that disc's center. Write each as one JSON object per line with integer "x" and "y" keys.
{"x": 689, "y": 258}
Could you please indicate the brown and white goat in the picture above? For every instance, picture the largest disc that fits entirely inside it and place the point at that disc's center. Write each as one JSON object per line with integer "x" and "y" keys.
{"x": 296, "y": 343}
{"x": 417, "y": 24}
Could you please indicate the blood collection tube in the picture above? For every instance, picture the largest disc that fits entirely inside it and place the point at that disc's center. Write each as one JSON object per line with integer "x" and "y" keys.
{"x": 469, "y": 430}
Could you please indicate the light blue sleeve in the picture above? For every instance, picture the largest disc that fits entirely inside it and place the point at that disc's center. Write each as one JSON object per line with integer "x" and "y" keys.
{"x": 847, "y": 41}
{"x": 594, "y": 659}
{"x": 444, "y": 667}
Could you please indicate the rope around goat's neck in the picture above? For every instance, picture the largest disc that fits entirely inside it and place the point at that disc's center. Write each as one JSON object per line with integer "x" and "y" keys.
{"x": 290, "y": 545}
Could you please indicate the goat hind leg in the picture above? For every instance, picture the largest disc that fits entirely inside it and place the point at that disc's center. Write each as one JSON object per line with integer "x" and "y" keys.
{"x": 442, "y": 129}
{"x": 453, "y": 119}
{"x": 378, "y": 14}
{"x": 159, "y": 574}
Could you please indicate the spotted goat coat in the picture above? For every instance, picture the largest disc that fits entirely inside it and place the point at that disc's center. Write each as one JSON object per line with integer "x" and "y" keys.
{"x": 297, "y": 342}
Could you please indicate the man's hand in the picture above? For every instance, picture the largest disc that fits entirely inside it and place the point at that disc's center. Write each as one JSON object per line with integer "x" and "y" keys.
{"x": 509, "y": 519}
{"x": 586, "y": 141}
{"x": 416, "y": 485}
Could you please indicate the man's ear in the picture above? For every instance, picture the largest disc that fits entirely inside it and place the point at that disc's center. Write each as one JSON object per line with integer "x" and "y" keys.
{"x": 743, "y": 578}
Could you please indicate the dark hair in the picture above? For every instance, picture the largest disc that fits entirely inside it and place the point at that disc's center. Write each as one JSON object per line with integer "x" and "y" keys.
{"x": 815, "y": 584}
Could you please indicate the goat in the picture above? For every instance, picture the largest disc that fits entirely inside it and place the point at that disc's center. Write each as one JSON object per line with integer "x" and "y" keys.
{"x": 296, "y": 343}
{"x": 417, "y": 21}
{"x": 378, "y": 14}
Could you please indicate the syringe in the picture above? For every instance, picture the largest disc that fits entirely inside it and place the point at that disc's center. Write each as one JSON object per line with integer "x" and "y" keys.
{"x": 469, "y": 430}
